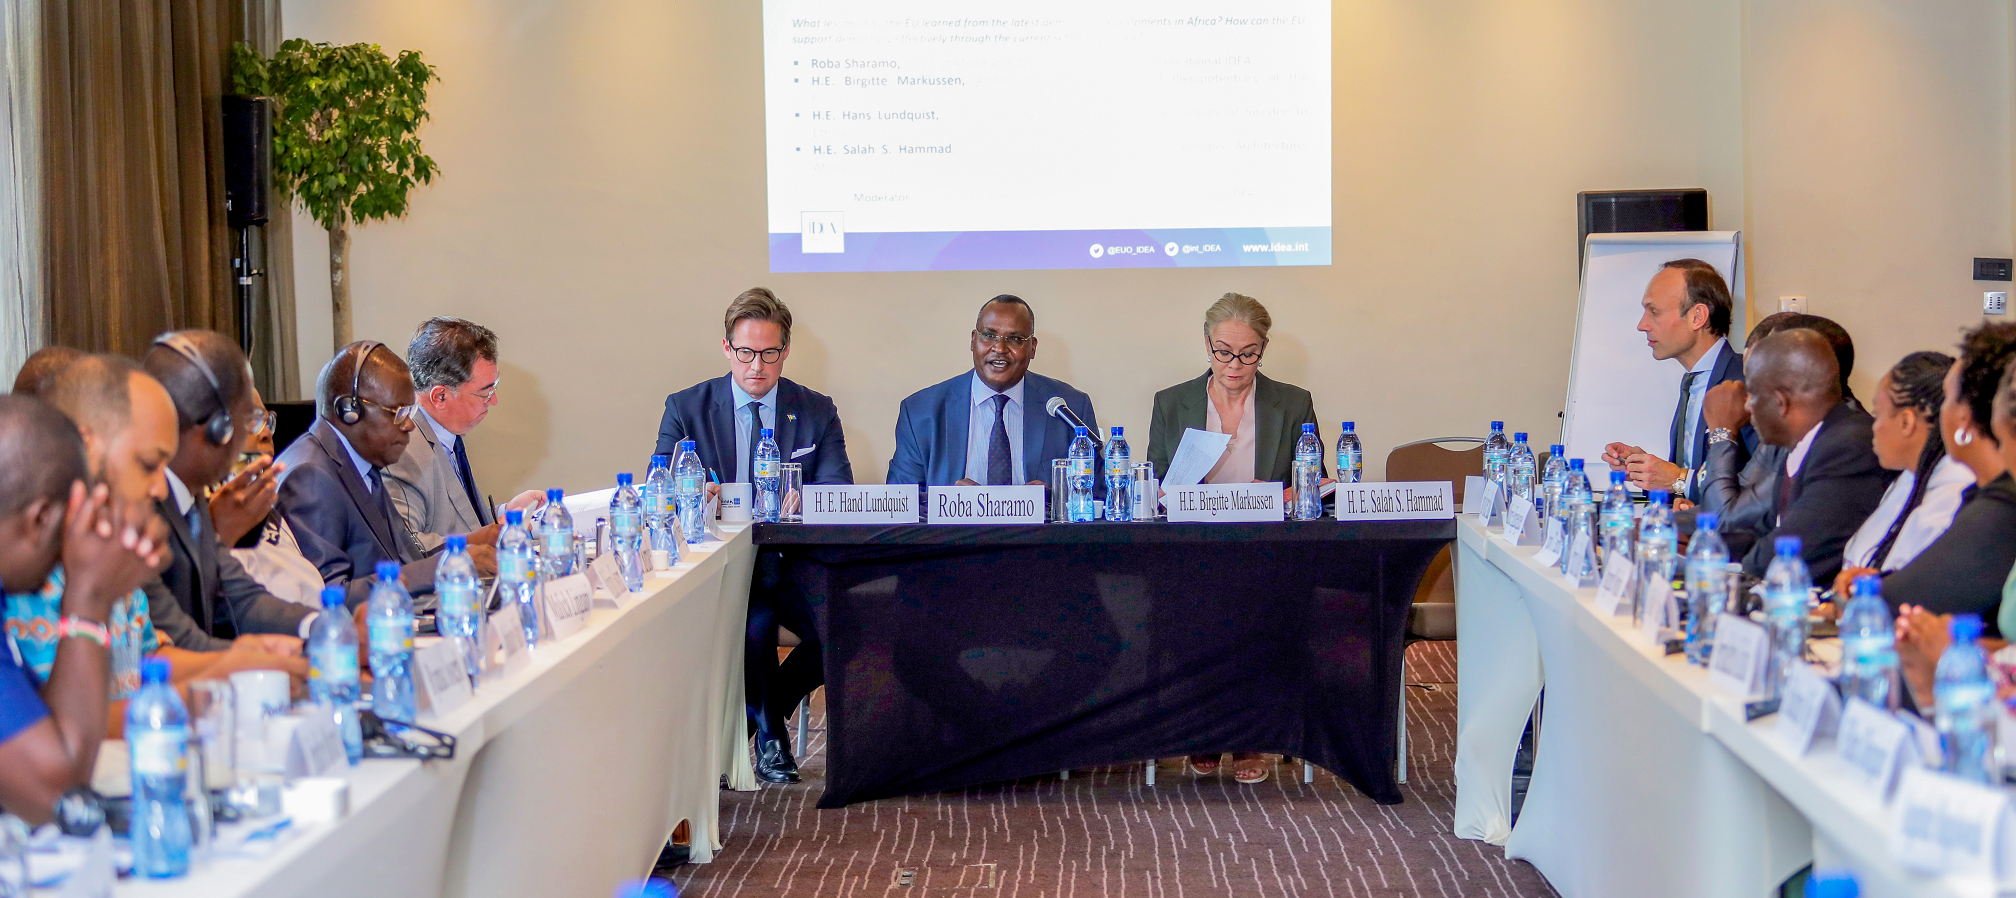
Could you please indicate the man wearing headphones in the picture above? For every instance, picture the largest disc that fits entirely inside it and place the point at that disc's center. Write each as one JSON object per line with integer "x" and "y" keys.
{"x": 210, "y": 383}
{"x": 333, "y": 491}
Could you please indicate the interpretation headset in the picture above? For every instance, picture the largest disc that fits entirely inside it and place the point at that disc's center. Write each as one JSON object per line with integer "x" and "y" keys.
{"x": 218, "y": 427}
{"x": 349, "y": 409}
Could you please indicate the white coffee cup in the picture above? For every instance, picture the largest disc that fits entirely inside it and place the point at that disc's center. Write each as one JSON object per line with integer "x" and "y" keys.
{"x": 735, "y": 501}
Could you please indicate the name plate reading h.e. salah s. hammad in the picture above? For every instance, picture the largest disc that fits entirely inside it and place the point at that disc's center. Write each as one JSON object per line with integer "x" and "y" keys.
{"x": 1211, "y": 503}
{"x": 1427, "y": 500}
{"x": 866, "y": 504}
{"x": 986, "y": 505}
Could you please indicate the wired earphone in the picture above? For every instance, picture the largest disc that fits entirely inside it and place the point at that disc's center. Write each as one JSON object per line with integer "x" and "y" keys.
{"x": 218, "y": 427}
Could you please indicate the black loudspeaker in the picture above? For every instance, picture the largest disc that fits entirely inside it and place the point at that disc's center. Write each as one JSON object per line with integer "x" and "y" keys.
{"x": 1626, "y": 211}
{"x": 248, "y": 162}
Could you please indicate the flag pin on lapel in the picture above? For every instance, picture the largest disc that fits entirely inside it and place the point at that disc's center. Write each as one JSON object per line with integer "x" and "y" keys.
{"x": 790, "y": 417}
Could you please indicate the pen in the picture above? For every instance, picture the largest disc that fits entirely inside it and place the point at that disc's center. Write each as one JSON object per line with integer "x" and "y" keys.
{"x": 712, "y": 476}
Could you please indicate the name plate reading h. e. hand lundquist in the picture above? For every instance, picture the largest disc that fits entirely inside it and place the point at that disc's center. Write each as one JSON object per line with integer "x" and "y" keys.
{"x": 1426, "y": 500}
{"x": 986, "y": 505}
{"x": 1213, "y": 503}
{"x": 866, "y": 504}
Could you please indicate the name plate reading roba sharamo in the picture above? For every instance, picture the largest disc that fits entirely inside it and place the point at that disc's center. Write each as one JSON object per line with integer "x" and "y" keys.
{"x": 871, "y": 504}
{"x": 1212, "y": 503}
{"x": 987, "y": 505}
{"x": 1408, "y": 501}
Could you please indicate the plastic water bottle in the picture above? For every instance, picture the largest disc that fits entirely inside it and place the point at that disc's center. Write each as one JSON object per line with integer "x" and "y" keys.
{"x": 1350, "y": 454}
{"x": 626, "y": 527}
{"x": 332, "y": 669}
{"x": 1869, "y": 646}
{"x": 1308, "y": 475}
{"x": 1497, "y": 451}
{"x": 1707, "y": 586}
{"x": 1575, "y": 506}
{"x": 389, "y": 622}
{"x": 556, "y": 535}
{"x": 689, "y": 484}
{"x": 660, "y": 506}
{"x": 157, "y": 738}
{"x": 1616, "y": 517}
{"x": 1656, "y": 559}
{"x": 460, "y": 616}
{"x": 1787, "y": 588}
{"x": 768, "y": 475}
{"x": 1119, "y": 478}
{"x": 1520, "y": 471}
{"x": 1552, "y": 479}
{"x": 1965, "y": 709}
{"x": 1078, "y": 502}
{"x": 518, "y": 573}
{"x": 1833, "y": 884}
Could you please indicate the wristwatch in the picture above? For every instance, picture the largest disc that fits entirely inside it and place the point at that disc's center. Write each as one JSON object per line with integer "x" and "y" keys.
{"x": 1719, "y": 435}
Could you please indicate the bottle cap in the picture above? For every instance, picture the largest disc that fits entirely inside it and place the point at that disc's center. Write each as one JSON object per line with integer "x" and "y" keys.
{"x": 388, "y": 572}
{"x": 1660, "y": 497}
{"x": 154, "y": 669}
{"x": 1080, "y": 431}
{"x": 1788, "y": 545}
{"x": 1706, "y": 520}
{"x": 1617, "y": 478}
{"x": 1116, "y": 430}
{"x": 1833, "y": 884}
{"x": 458, "y": 542}
{"x": 555, "y": 494}
{"x": 332, "y": 596}
{"x": 687, "y": 445}
{"x": 623, "y": 479}
{"x": 1575, "y": 464}
{"x": 1966, "y": 627}
{"x": 661, "y": 461}
{"x": 1308, "y": 428}
{"x": 652, "y": 887}
{"x": 1497, "y": 426}
{"x": 1866, "y": 585}
{"x": 769, "y": 434}
{"x": 1556, "y": 449}
{"x": 1350, "y": 426}
{"x": 1519, "y": 437}
{"x": 514, "y": 518}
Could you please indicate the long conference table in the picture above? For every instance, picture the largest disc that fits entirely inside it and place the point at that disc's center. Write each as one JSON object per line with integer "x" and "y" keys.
{"x": 569, "y": 773}
{"x": 1647, "y": 779}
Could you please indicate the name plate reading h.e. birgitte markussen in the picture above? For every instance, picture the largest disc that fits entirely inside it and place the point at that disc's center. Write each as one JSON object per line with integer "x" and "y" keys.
{"x": 986, "y": 505}
{"x": 1210, "y": 503}
{"x": 865, "y": 504}
{"x": 1427, "y": 500}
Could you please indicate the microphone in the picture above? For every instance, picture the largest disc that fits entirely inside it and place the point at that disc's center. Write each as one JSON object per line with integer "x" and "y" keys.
{"x": 1057, "y": 408}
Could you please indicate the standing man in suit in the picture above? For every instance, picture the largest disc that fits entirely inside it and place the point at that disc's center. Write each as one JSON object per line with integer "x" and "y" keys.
{"x": 333, "y": 493}
{"x": 1687, "y": 311}
{"x": 990, "y": 426}
{"x": 724, "y": 418}
{"x": 454, "y": 365}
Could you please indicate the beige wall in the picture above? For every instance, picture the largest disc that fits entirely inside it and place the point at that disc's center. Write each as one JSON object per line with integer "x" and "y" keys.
{"x": 602, "y": 199}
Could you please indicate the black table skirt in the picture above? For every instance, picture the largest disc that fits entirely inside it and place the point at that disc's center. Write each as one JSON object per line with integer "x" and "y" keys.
{"x": 962, "y": 655}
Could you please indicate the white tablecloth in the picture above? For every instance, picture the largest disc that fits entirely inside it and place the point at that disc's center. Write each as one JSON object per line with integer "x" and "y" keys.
{"x": 569, "y": 774}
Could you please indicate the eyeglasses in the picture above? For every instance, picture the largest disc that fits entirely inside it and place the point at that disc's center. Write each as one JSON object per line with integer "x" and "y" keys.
{"x": 264, "y": 422}
{"x": 1012, "y": 341}
{"x": 403, "y": 414}
{"x": 769, "y": 356}
{"x": 397, "y": 739}
{"x": 487, "y": 393}
{"x": 1225, "y": 356}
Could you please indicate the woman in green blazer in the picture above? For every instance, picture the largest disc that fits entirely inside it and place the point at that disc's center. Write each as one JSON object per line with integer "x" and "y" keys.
{"x": 1264, "y": 417}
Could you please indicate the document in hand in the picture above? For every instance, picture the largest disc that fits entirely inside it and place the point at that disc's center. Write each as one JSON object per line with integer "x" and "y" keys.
{"x": 1195, "y": 456}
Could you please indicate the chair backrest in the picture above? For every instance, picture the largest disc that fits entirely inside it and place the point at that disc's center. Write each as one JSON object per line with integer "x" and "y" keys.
{"x": 1426, "y": 460}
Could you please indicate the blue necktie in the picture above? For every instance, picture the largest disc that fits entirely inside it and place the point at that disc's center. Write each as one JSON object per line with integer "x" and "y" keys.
{"x": 468, "y": 480}
{"x": 1000, "y": 458}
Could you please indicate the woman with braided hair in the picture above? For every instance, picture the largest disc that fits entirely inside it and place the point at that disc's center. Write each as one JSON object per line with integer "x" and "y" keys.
{"x": 1921, "y": 502}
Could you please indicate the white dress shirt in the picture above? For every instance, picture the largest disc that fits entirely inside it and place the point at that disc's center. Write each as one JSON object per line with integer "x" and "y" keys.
{"x": 1933, "y": 515}
{"x": 363, "y": 467}
{"x": 980, "y": 431}
{"x": 768, "y": 406}
{"x": 1797, "y": 457}
{"x": 1697, "y": 393}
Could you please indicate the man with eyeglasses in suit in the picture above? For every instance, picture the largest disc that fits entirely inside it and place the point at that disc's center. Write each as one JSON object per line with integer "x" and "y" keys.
{"x": 724, "y": 417}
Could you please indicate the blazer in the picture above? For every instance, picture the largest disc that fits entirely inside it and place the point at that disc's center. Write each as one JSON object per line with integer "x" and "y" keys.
{"x": 427, "y": 491}
{"x": 208, "y": 583}
{"x": 1727, "y": 368}
{"x": 1279, "y": 412}
{"x": 1744, "y": 498}
{"x": 808, "y": 429}
{"x": 342, "y": 529}
{"x": 1966, "y": 567}
{"x": 1839, "y": 484}
{"x": 932, "y": 424}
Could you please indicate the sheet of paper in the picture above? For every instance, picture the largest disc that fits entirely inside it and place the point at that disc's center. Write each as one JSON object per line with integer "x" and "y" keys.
{"x": 1195, "y": 456}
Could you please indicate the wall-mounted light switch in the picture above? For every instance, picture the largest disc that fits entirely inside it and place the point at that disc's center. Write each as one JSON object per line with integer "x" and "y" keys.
{"x": 1792, "y": 304}
{"x": 1994, "y": 302}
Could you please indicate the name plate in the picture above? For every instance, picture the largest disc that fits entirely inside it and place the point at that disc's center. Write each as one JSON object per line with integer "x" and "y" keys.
{"x": 1580, "y": 558}
{"x": 1550, "y": 548}
{"x": 1947, "y": 826}
{"x": 1874, "y": 743}
{"x": 1491, "y": 507}
{"x": 568, "y": 601}
{"x": 986, "y": 505}
{"x": 1737, "y": 664}
{"x": 1516, "y": 517}
{"x": 1212, "y": 503}
{"x": 872, "y": 504}
{"x": 1617, "y": 576}
{"x": 504, "y": 644}
{"x": 1426, "y": 500}
{"x": 1811, "y": 709}
{"x": 443, "y": 679}
{"x": 1473, "y": 496}
{"x": 315, "y": 746}
{"x": 606, "y": 573}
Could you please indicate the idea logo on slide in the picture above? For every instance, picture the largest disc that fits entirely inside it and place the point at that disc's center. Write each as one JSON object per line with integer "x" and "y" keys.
{"x": 1098, "y": 250}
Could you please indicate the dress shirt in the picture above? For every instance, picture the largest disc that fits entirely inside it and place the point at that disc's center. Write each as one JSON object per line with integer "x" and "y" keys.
{"x": 448, "y": 440}
{"x": 1697, "y": 393}
{"x": 364, "y": 468}
{"x": 1797, "y": 456}
{"x": 980, "y": 430}
{"x": 1237, "y": 464}
{"x": 184, "y": 499}
{"x": 1935, "y": 511}
{"x": 768, "y": 405}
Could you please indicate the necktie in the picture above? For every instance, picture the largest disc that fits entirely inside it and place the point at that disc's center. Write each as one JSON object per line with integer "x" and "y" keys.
{"x": 1000, "y": 457}
{"x": 1784, "y": 493}
{"x": 1683, "y": 453}
{"x": 755, "y": 436}
{"x": 468, "y": 481}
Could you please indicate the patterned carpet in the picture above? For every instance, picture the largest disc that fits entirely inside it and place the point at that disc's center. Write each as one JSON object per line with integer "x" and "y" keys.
{"x": 1103, "y": 832}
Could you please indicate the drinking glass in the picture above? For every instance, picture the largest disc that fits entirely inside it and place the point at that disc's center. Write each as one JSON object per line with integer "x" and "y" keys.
{"x": 1060, "y": 490}
{"x": 790, "y": 481}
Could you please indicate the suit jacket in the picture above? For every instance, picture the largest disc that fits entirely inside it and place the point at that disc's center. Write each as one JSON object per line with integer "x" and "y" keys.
{"x": 1279, "y": 412}
{"x": 1966, "y": 567}
{"x": 932, "y": 424}
{"x": 174, "y": 625}
{"x": 341, "y": 527}
{"x": 1838, "y": 485}
{"x": 1746, "y": 499}
{"x": 208, "y": 583}
{"x": 1727, "y": 368}
{"x": 808, "y": 429}
{"x": 427, "y": 490}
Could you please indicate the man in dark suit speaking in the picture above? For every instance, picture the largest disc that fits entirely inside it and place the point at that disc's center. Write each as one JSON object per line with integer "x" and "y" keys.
{"x": 990, "y": 426}
{"x": 724, "y": 417}
{"x": 1687, "y": 311}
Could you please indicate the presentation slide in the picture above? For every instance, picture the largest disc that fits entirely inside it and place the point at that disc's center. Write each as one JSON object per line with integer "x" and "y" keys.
{"x": 920, "y": 136}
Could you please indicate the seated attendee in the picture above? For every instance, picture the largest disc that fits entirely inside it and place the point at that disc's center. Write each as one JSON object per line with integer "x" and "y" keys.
{"x": 454, "y": 365}
{"x": 333, "y": 493}
{"x": 51, "y": 728}
{"x": 991, "y": 426}
{"x": 267, "y": 550}
{"x": 1687, "y": 307}
{"x": 41, "y": 367}
{"x": 1831, "y": 480}
{"x": 1263, "y": 416}
{"x": 723, "y": 417}
{"x": 1921, "y": 502}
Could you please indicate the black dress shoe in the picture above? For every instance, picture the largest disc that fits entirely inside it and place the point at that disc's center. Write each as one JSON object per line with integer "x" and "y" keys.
{"x": 773, "y": 762}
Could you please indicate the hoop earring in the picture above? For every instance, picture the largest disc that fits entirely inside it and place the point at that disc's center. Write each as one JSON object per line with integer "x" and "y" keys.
{"x": 1964, "y": 436}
